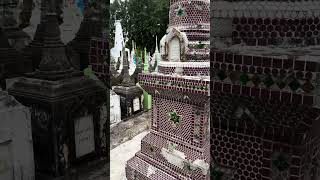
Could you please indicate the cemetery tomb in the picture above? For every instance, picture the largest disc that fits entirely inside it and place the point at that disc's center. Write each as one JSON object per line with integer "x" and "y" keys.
{"x": 61, "y": 98}
{"x": 178, "y": 145}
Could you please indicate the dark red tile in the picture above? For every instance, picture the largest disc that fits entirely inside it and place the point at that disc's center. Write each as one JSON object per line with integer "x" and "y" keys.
{"x": 237, "y": 59}
{"x": 286, "y": 97}
{"x": 236, "y": 89}
{"x": 296, "y": 98}
{"x": 277, "y": 63}
{"x": 266, "y": 62}
{"x": 287, "y": 63}
{"x": 219, "y": 57}
{"x": 229, "y": 58}
{"x": 275, "y": 96}
{"x": 265, "y": 94}
{"x": 227, "y": 88}
{"x": 299, "y": 65}
{"x": 247, "y": 60}
{"x": 267, "y": 145}
{"x": 311, "y": 66}
{"x": 257, "y": 61}
{"x": 245, "y": 90}
{"x": 255, "y": 92}
{"x": 308, "y": 100}
{"x": 262, "y": 42}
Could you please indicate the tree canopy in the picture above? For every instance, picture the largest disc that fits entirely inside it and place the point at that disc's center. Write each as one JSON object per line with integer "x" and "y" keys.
{"x": 143, "y": 20}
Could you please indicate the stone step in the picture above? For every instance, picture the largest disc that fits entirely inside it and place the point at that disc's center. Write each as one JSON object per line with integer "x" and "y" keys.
{"x": 139, "y": 169}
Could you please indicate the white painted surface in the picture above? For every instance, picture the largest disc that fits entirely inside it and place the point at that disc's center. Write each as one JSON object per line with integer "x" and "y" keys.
{"x": 136, "y": 104}
{"x": 174, "y": 50}
{"x": 16, "y": 144}
{"x": 115, "y": 109}
{"x": 118, "y": 41}
{"x": 121, "y": 154}
{"x": 84, "y": 136}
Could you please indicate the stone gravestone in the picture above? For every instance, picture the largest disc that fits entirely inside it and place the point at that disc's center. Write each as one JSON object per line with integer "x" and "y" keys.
{"x": 115, "y": 110}
{"x": 84, "y": 136}
{"x": 174, "y": 50}
{"x": 16, "y": 145}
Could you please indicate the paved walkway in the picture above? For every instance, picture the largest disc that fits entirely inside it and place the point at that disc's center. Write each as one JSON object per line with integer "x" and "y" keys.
{"x": 128, "y": 129}
{"x": 121, "y": 154}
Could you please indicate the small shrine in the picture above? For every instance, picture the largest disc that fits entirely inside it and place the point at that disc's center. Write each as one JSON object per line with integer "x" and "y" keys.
{"x": 131, "y": 96}
{"x": 65, "y": 107}
{"x": 178, "y": 145}
{"x": 265, "y": 89}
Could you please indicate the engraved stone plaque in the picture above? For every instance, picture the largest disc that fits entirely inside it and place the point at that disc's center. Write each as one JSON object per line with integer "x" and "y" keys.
{"x": 84, "y": 136}
{"x": 6, "y": 168}
{"x": 174, "y": 50}
{"x": 136, "y": 104}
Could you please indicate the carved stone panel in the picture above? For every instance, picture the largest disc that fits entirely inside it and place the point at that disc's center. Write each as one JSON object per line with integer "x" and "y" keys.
{"x": 84, "y": 136}
{"x": 136, "y": 104}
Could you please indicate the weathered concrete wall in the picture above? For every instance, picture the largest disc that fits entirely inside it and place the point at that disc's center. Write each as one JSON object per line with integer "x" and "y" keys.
{"x": 16, "y": 146}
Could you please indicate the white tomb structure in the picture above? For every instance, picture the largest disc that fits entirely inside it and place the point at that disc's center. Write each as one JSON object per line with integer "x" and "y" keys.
{"x": 156, "y": 57}
{"x": 116, "y": 52}
{"x": 115, "y": 110}
{"x": 16, "y": 146}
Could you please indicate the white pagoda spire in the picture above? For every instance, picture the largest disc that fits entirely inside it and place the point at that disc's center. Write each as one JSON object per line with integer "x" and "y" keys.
{"x": 157, "y": 50}
{"x": 118, "y": 41}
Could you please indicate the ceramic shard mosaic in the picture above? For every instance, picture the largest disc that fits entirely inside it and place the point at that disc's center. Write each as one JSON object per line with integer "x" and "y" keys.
{"x": 264, "y": 93}
{"x": 178, "y": 146}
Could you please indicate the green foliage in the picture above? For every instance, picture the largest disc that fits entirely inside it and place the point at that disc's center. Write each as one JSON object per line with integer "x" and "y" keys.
{"x": 89, "y": 74}
{"x": 142, "y": 19}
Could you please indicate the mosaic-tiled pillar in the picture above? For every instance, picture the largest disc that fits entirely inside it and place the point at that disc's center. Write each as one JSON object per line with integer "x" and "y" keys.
{"x": 264, "y": 114}
{"x": 178, "y": 145}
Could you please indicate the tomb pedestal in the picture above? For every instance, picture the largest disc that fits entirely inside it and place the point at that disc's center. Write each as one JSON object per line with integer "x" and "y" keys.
{"x": 178, "y": 145}
{"x": 131, "y": 101}
{"x": 16, "y": 146}
{"x": 64, "y": 112}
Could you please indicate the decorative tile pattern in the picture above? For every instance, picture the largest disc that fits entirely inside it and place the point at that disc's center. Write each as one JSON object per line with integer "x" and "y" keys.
{"x": 99, "y": 51}
{"x": 263, "y": 94}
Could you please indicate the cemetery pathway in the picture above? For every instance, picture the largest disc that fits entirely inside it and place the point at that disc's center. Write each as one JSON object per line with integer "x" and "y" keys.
{"x": 128, "y": 129}
{"x": 121, "y": 154}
